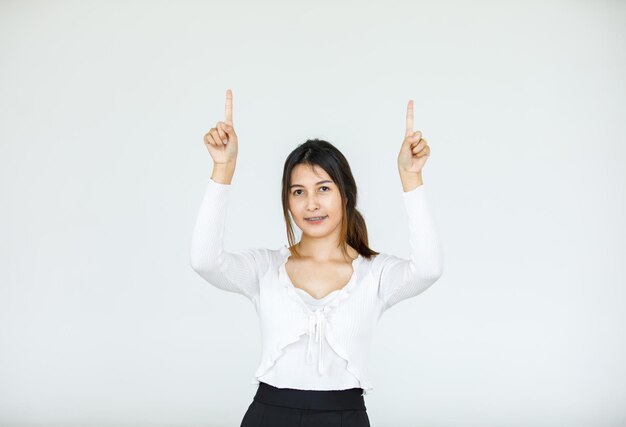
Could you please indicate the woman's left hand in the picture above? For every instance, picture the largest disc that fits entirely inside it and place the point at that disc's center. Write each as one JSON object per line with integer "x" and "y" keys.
{"x": 415, "y": 150}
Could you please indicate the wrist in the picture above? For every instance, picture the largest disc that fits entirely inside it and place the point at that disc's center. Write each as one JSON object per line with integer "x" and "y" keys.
{"x": 223, "y": 172}
{"x": 411, "y": 180}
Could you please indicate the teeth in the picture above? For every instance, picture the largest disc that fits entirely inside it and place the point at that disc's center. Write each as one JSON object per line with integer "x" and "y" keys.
{"x": 316, "y": 218}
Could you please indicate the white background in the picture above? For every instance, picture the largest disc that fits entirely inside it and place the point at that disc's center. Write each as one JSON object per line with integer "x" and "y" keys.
{"x": 103, "y": 106}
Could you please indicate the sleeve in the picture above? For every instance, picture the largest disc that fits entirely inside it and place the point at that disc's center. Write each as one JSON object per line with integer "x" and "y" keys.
{"x": 398, "y": 278}
{"x": 230, "y": 271}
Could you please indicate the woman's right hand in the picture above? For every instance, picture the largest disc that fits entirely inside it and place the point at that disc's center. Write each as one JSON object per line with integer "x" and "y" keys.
{"x": 221, "y": 141}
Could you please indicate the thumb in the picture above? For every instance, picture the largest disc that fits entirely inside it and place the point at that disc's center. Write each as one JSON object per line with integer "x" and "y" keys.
{"x": 408, "y": 141}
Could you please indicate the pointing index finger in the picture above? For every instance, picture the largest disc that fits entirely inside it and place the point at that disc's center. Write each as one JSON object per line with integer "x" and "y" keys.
{"x": 409, "y": 118}
{"x": 229, "y": 107}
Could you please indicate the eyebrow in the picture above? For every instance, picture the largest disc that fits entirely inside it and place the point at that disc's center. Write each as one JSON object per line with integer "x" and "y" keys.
{"x": 317, "y": 183}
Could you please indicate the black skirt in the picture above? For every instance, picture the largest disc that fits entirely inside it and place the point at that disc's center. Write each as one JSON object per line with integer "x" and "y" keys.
{"x": 288, "y": 407}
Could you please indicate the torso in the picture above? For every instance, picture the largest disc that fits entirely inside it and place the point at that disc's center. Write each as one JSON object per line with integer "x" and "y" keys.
{"x": 319, "y": 279}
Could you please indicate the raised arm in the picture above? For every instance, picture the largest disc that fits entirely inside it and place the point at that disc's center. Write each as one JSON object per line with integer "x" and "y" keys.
{"x": 231, "y": 271}
{"x": 399, "y": 278}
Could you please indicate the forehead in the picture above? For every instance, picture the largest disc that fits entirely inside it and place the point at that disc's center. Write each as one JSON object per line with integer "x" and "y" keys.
{"x": 308, "y": 174}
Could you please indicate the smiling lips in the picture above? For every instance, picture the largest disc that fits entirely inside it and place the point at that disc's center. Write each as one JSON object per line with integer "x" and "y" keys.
{"x": 318, "y": 220}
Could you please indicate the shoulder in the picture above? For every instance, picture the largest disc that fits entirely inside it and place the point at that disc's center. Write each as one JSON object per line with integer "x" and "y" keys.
{"x": 377, "y": 262}
{"x": 258, "y": 256}
{"x": 272, "y": 256}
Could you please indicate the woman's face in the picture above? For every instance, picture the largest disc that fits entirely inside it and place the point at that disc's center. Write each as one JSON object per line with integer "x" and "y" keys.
{"x": 312, "y": 194}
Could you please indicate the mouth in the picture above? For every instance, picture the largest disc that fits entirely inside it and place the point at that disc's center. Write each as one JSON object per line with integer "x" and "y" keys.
{"x": 316, "y": 219}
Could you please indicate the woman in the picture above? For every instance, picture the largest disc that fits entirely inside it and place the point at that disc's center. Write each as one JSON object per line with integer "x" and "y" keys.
{"x": 319, "y": 299}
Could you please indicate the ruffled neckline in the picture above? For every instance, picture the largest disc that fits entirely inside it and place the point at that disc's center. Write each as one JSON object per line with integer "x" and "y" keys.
{"x": 341, "y": 294}
{"x": 317, "y": 301}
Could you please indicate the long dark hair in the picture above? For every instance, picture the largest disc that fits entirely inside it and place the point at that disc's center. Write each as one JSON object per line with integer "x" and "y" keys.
{"x": 328, "y": 157}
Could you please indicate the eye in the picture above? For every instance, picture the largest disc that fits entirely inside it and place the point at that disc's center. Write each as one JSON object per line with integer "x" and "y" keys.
{"x": 323, "y": 186}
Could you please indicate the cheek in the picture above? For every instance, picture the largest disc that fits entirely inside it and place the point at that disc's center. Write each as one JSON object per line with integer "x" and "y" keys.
{"x": 294, "y": 207}
{"x": 297, "y": 211}
{"x": 337, "y": 205}
{"x": 334, "y": 210}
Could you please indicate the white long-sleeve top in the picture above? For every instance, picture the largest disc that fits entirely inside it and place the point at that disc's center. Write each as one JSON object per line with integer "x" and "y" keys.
{"x": 315, "y": 356}
{"x": 333, "y": 374}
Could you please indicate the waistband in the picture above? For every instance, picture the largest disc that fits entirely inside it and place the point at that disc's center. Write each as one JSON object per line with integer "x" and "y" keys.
{"x": 350, "y": 399}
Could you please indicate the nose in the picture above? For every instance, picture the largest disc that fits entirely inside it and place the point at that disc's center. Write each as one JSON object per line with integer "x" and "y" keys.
{"x": 312, "y": 204}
